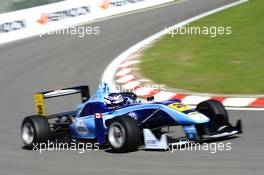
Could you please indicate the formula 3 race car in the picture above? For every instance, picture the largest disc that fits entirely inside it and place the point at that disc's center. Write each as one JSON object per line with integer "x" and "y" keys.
{"x": 124, "y": 128}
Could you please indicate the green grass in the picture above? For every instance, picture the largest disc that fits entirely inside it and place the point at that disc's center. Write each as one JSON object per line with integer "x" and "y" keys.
{"x": 227, "y": 64}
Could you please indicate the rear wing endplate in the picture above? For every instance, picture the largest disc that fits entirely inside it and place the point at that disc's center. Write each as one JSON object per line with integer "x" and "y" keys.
{"x": 40, "y": 97}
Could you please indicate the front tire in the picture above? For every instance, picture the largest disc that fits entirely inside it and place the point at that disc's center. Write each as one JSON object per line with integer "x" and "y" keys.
{"x": 217, "y": 114}
{"x": 34, "y": 130}
{"x": 123, "y": 134}
{"x": 215, "y": 110}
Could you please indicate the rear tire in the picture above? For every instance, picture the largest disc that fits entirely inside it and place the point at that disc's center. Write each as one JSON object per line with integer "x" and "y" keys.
{"x": 123, "y": 134}
{"x": 34, "y": 130}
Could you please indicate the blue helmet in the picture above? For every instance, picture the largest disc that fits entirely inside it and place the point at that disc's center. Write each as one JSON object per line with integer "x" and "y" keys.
{"x": 114, "y": 100}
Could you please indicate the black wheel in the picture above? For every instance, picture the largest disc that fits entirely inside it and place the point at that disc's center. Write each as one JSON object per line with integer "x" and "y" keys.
{"x": 214, "y": 110}
{"x": 123, "y": 134}
{"x": 35, "y": 129}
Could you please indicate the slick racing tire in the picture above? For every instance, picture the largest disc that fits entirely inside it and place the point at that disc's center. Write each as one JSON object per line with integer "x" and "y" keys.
{"x": 214, "y": 110}
{"x": 123, "y": 134}
{"x": 34, "y": 130}
{"x": 217, "y": 114}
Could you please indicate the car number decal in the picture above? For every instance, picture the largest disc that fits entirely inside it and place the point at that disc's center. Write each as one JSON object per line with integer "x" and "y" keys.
{"x": 179, "y": 107}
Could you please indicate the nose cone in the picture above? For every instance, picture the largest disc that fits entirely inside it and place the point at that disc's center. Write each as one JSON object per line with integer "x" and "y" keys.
{"x": 199, "y": 118}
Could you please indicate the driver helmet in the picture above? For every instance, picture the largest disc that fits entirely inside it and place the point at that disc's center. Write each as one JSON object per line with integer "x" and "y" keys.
{"x": 114, "y": 100}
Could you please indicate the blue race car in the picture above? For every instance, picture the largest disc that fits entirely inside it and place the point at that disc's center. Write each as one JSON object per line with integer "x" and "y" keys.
{"x": 117, "y": 120}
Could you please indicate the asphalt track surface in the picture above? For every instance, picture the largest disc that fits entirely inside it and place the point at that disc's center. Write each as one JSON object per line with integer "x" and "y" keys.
{"x": 52, "y": 62}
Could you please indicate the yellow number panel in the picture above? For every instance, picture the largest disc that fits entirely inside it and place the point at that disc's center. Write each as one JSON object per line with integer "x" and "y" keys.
{"x": 39, "y": 104}
{"x": 179, "y": 107}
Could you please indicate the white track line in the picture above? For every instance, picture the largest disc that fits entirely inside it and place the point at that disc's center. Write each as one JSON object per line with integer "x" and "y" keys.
{"x": 238, "y": 108}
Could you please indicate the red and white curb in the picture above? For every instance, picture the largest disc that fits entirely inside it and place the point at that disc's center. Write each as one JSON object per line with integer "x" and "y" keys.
{"x": 120, "y": 73}
{"x": 127, "y": 81}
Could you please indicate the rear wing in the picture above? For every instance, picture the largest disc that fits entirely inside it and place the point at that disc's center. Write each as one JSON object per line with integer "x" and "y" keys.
{"x": 40, "y": 97}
